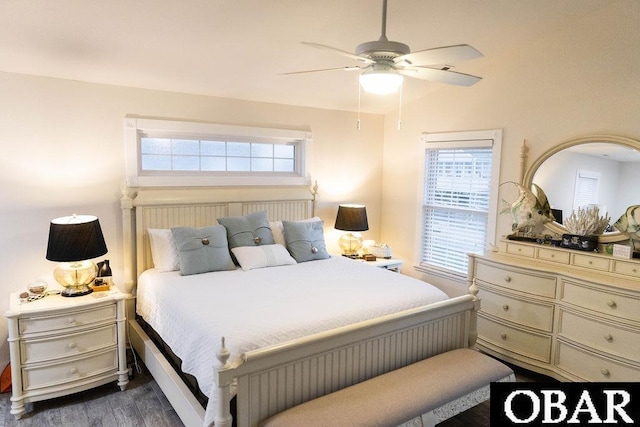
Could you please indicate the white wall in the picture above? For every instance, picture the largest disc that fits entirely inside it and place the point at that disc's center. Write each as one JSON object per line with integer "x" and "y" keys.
{"x": 62, "y": 152}
{"x": 581, "y": 79}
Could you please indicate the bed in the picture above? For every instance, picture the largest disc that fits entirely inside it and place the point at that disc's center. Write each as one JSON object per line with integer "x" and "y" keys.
{"x": 272, "y": 362}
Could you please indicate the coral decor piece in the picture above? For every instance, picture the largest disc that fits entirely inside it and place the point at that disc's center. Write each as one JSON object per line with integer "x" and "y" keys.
{"x": 587, "y": 222}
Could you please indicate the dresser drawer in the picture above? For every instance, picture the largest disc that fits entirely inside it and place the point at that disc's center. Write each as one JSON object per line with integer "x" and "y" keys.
{"x": 601, "y": 301}
{"x": 37, "y": 350}
{"x": 600, "y": 335}
{"x": 522, "y": 250}
{"x": 591, "y": 262}
{"x": 554, "y": 256}
{"x": 627, "y": 268}
{"x": 525, "y": 312}
{"x": 530, "y": 282}
{"x": 50, "y": 374}
{"x": 528, "y": 344}
{"x": 72, "y": 319}
{"x": 592, "y": 367}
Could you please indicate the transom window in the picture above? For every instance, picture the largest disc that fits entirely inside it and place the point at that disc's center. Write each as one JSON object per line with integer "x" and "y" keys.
{"x": 175, "y": 153}
{"x": 202, "y": 155}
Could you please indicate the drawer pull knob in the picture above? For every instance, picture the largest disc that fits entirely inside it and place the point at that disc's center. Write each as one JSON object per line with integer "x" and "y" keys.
{"x": 503, "y": 336}
{"x": 611, "y": 304}
{"x": 71, "y": 345}
{"x": 73, "y": 371}
{"x": 590, "y": 262}
{"x": 507, "y": 279}
{"x": 505, "y": 307}
{"x": 608, "y": 337}
{"x": 605, "y": 372}
{"x": 553, "y": 255}
{"x": 71, "y": 320}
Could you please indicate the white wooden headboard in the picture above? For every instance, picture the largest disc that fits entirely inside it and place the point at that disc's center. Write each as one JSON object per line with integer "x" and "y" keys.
{"x": 144, "y": 208}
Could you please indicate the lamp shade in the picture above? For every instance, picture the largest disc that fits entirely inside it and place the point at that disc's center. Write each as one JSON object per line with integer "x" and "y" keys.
{"x": 75, "y": 238}
{"x": 352, "y": 218}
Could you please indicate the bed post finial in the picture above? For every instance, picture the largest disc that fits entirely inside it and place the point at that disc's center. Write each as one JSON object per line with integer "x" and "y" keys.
{"x": 314, "y": 201}
{"x": 223, "y": 355}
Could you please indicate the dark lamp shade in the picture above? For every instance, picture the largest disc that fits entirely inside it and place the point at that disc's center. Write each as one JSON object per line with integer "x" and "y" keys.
{"x": 75, "y": 238}
{"x": 352, "y": 218}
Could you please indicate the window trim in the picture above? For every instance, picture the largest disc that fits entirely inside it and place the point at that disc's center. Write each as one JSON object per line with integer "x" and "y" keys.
{"x": 136, "y": 126}
{"x": 461, "y": 139}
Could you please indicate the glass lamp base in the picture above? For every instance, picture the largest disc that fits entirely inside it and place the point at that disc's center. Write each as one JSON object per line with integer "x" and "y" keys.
{"x": 75, "y": 277}
{"x": 350, "y": 243}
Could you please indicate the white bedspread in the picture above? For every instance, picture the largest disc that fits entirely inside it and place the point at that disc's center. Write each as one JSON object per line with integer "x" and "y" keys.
{"x": 256, "y": 308}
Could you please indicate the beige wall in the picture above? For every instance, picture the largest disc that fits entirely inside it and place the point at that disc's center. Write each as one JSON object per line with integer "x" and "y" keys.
{"x": 580, "y": 80}
{"x": 62, "y": 152}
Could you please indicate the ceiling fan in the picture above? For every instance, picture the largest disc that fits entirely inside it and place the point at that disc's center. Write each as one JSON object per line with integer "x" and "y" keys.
{"x": 387, "y": 61}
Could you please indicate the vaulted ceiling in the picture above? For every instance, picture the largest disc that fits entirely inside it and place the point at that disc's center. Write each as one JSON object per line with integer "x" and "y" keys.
{"x": 238, "y": 48}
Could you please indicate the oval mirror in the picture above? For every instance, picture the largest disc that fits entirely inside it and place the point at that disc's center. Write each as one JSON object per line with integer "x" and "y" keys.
{"x": 600, "y": 170}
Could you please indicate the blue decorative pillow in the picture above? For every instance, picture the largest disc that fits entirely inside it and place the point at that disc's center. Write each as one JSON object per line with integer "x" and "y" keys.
{"x": 202, "y": 249}
{"x": 249, "y": 230}
{"x": 305, "y": 240}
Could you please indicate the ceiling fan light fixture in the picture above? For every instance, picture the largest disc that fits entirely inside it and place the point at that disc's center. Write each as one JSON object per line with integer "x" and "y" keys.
{"x": 380, "y": 82}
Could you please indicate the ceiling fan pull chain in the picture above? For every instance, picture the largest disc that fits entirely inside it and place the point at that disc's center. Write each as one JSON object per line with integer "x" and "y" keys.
{"x": 359, "y": 94}
{"x": 400, "y": 106}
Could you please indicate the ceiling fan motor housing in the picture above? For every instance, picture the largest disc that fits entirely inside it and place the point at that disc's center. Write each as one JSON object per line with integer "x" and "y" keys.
{"x": 382, "y": 49}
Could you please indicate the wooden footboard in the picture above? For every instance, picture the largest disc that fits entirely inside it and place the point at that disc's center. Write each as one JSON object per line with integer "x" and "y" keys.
{"x": 276, "y": 378}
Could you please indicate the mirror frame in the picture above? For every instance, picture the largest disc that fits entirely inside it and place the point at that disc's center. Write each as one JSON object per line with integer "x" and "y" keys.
{"x": 527, "y": 176}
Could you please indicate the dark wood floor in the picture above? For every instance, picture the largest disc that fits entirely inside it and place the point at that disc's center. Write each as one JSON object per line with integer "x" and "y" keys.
{"x": 144, "y": 404}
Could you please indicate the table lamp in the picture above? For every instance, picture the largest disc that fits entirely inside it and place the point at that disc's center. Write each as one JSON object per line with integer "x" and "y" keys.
{"x": 73, "y": 241}
{"x": 351, "y": 218}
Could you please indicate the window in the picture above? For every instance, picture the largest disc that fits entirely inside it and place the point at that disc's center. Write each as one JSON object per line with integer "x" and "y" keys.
{"x": 586, "y": 191}
{"x": 165, "y": 153}
{"x": 459, "y": 200}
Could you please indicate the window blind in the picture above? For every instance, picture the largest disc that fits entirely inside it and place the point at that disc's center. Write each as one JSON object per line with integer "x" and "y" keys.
{"x": 456, "y": 205}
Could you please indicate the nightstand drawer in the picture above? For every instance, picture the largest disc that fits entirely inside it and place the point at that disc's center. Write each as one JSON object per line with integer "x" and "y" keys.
{"x": 518, "y": 280}
{"x": 528, "y": 344}
{"x": 524, "y": 312}
{"x": 32, "y": 325}
{"x": 591, "y": 367}
{"x": 37, "y": 350}
{"x": 601, "y": 301}
{"x": 50, "y": 374}
{"x": 600, "y": 335}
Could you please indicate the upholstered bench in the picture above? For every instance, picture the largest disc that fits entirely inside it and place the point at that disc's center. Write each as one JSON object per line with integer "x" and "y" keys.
{"x": 423, "y": 393}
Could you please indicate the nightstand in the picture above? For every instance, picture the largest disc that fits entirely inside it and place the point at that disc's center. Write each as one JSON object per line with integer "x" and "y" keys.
{"x": 386, "y": 263}
{"x": 62, "y": 345}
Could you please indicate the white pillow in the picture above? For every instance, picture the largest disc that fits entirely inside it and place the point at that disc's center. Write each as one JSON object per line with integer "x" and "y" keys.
{"x": 251, "y": 257}
{"x": 163, "y": 250}
{"x": 277, "y": 229}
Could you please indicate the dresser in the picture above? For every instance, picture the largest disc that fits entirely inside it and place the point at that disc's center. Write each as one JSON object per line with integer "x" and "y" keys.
{"x": 62, "y": 345}
{"x": 568, "y": 314}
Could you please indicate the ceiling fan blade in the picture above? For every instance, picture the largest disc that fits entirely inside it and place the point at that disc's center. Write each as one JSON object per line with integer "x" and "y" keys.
{"x": 341, "y": 52}
{"x": 439, "y": 55}
{"x": 440, "y": 76}
{"x": 355, "y": 68}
